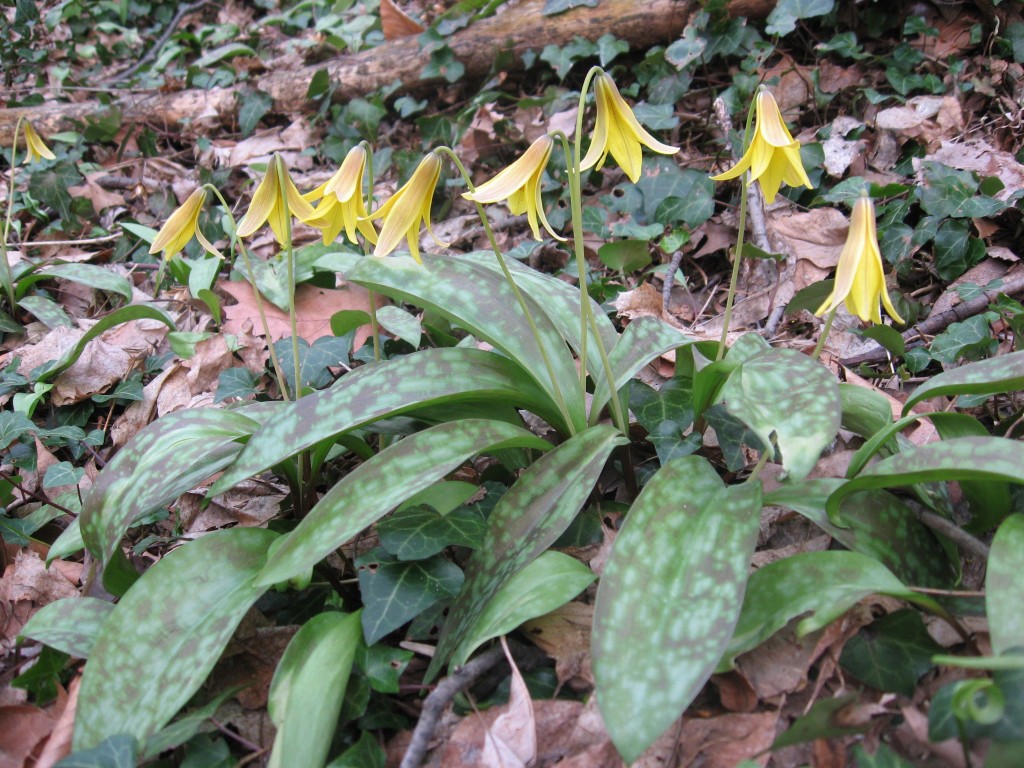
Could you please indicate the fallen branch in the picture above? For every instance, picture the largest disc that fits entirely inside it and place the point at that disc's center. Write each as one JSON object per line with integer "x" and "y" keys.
{"x": 510, "y": 33}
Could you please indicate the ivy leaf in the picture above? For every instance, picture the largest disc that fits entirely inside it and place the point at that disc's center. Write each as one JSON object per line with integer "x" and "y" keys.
{"x": 62, "y": 473}
{"x": 419, "y": 532}
{"x": 782, "y": 20}
{"x": 892, "y": 653}
{"x": 395, "y": 592}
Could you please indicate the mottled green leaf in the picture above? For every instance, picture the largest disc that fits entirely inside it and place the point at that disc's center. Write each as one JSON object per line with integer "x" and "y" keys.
{"x": 864, "y": 411}
{"x": 530, "y": 517}
{"x": 644, "y": 339}
{"x": 892, "y": 653}
{"x": 482, "y": 302}
{"x": 879, "y": 524}
{"x": 186, "y": 726}
{"x": 550, "y": 581}
{"x": 557, "y": 299}
{"x": 395, "y": 592}
{"x": 964, "y": 458}
{"x": 118, "y": 316}
{"x": 400, "y": 324}
{"x": 419, "y": 532}
{"x": 985, "y": 377}
{"x": 369, "y": 492}
{"x": 164, "y": 460}
{"x": 115, "y": 752}
{"x": 429, "y": 377}
{"x": 165, "y": 635}
{"x": 70, "y": 625}
{"x": 46, "y": 311}
{"x": 85, "y": 274}
{"x": 785, "y": 393}
{"x": 1004, "y": 587}
{"x": 669, "y": 598}
{"x": 822, "y": 584}
{"x": 308, "y": 687}
{"x": 884, "y": 438}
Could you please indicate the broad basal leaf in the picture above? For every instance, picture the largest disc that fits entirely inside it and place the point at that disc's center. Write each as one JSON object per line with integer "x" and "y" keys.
{"x": 1004, "y": 588}
{"x": 170, "y": 456}
{"x": 531, "y": 515}
{"x": 308, "y": 688}
{"x": 70, "y": 625}
{"x": 165, "y": 635}
{"x": 669, "y": 598}
{"x": 964, "y": 458}
{"x": 822, "y": 584}
{"x": 785, "y": 393}
{"x": 878, "y": 525}
{"x": 1004, "y": 373}
{"x": 429, "y": 377}
{"x": 550, "y": 581}
{"x": 380, "y": 484}
{"x": 483, "y": 303}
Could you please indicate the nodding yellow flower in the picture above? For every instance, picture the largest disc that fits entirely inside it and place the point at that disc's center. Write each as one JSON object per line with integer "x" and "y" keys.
{"x": 341, "y": 201}
{"x": 519, "y": 184}
{"x": 275, "y": 199}
{"x": 616, "y": 130}
{"x": 860, "y": 282}
{"x": 182, "y": 225}
{"x": 37, "y": 149}
{"x": 409, "y": 206}
{"x": 773, "y": 156}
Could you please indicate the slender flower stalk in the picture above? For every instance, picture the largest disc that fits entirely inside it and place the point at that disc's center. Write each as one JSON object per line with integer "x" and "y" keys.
{"x": 341, "y": 203}
{"x": 519, "y": 184}
{"x": 772, "y": 155}
{"x": 35, "y": 150}
{"x": 618, "y": 132}
{"x": 860, "y": 281}
{"x": 407, "y": 208}
{"x": 559, "y": 396}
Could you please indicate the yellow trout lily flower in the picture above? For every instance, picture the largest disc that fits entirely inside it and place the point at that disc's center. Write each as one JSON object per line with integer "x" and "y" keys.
{"x": 35, "y": 146}
{"x": 773, "y": 156}
{"x": 341, "y": 201}
{"x": 860, "y": 282}
{"x": 616, "y": 130}
{"x": 182, "y": 225}
{"x": 519, "y": 184}
{"x": 275, "y": 199}
{"x": 409, "y": 206}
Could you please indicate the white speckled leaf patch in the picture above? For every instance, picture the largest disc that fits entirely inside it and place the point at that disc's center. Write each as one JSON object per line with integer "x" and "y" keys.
{"x": 783, "y": 392}
{"x": 163, "y": 638}
{"x": 669, "y": 598}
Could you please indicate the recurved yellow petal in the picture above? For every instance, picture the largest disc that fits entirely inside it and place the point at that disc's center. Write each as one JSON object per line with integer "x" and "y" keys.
{"x": 407, "y": 208}
{"x": 519, "y": 185}
{"x": 618, "y": 132}
{"x": 276, "y": 199}
{"x": 181, "y": 226}
{"x": 860, "y": 280}
{"x": 341, "y": 201}
{"x": 37, "y": 149}
{"x": 773, "y": 157}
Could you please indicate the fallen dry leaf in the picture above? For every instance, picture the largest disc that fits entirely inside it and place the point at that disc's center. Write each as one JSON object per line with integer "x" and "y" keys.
{"x": 58, "y": 745}
{"x": 22, "y": 727}
{"x": 396, "y": 23}
{"x": 313, "y": 308}
{"x": 714, "y": 742}
{"x": 95, "y": 194}
{"x": 511, "y": 740}
{"x": 564, "y": 635}
{"x": 28, "y": 578}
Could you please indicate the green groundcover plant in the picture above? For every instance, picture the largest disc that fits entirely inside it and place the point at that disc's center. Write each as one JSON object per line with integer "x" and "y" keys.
{"x": 676, "y": 600}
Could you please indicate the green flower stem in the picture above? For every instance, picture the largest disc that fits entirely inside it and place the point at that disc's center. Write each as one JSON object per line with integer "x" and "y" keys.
{"x": 756, "y": 471}
{"x": 734, "y": 279}
{"x": 251, "y": 275}
{"x": 374, "y": 325}
{"x": 588, "y": 321}
{"x": 293, "y": 321}
{"x": 823, "y": 336}
{"x": 5, "y": 268}
{"x": 742, "y": 224}
{"x": 559, "y": 397}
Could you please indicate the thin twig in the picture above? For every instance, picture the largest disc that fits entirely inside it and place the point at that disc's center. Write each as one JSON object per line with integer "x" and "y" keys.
{"x": 439, "y": 699}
